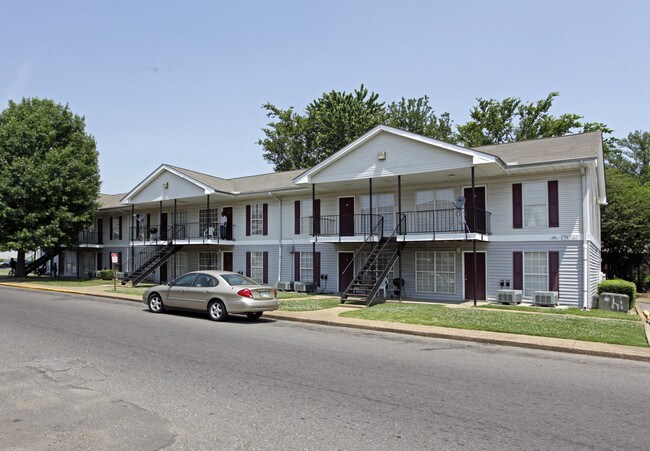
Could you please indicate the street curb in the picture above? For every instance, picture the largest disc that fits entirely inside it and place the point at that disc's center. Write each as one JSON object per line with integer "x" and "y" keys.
{"x": 519, "y": 341}
{"x": 484, "y": 340}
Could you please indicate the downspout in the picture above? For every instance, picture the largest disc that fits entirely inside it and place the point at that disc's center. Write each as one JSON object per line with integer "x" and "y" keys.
{"x": 279, "y": 238}
{"x": 586, "y": 302}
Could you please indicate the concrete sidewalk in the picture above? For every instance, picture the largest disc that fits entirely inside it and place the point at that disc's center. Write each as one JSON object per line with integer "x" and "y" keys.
{"x": 331, "y": 317}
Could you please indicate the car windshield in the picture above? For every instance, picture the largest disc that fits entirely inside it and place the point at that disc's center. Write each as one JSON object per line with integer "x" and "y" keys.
{"x": 238, "y": 279}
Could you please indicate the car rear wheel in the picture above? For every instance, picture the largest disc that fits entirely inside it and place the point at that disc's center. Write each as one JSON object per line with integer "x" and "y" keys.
{"x": 155, "y": 303}
{"x": 254, "y": 315}
{"x": 217, "y": 311}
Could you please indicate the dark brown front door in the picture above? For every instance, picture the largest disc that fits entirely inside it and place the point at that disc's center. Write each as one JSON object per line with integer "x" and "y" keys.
{"x": 163, "y": 226}
{"x": 469, "y": 275}
{"x": 346, "y": 216}
{"x": 227, "y": 261}
{"x": 479, "y": 203}
{"x": 99, "y": 261}
{"x": 346, "y": 273}
{"x": 228, "y": 211}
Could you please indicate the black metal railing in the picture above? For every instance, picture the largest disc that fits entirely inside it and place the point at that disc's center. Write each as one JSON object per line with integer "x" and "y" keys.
{"x": 363, "y": 224}
{"x": 184, "y": 233}
{"x": 447, "y": 221}
{"x": 89, "y": 237}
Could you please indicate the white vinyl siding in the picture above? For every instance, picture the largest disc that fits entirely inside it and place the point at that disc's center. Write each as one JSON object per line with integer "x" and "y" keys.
{"x": 535, "y": 207}
{"x": 535, "y": 272}
{"x": 257, "y": 266}
{"x": 257, "y": 219}
{"x": 435, "y": 272}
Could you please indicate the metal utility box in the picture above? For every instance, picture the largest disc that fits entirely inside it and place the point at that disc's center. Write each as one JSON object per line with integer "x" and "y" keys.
{"x": 614, "y": 302}
{"x": 545, "y": 297}
{"x": 285, "y": 286}
{"x": 512, "y": 297}
{"x": 304, "y": 287}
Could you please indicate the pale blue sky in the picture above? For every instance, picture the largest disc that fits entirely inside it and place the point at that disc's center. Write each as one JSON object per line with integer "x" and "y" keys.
{"x": 182, "y": 82}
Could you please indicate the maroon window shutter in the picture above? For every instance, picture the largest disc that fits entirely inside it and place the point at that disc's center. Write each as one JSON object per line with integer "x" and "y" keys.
{"x": 248, "y": 264}
{"x": 317, "y": 268}
{"x": 120, "y": 226}
{"x": 553, "y": 205}
{"x": 110, "y": 230}
{"x": 265, "y": 219}
{"x": 517, "y": 210}
{"x": 316, "y": 216}
{"x": 265, "y": 269}
{"x": 119, "y": 260}
{"x": 296, "y": 266}
{"x": 148, "y": 221}
{"x": 296, "y": 217}
{"x": 554, "y": 271}
{"x": 248, "y": 220}
{"x": 518, "y": 270}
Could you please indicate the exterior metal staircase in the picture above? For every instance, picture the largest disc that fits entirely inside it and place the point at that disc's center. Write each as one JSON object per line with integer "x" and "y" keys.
{"x": 40, "y": 261}
{"x": 374, "y": 269}
{"x": 148, "y": 260}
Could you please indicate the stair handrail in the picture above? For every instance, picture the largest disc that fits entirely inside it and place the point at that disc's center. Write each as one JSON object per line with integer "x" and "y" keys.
{"x": 377, "y": 230}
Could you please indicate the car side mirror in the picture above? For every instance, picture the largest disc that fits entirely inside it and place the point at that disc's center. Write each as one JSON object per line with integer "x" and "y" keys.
{"x": 170, "y": 283}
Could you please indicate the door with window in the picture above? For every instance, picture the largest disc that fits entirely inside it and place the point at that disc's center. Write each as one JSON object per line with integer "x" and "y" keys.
{"x": 346, "y": 216}
{"x": 479, "y": 276}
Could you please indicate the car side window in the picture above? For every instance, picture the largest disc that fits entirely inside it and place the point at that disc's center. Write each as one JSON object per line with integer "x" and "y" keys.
{"x": 204, "y": 280}
{"x": 185, "y": 281}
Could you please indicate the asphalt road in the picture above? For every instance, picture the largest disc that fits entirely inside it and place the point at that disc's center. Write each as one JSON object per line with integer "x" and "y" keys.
{"x": 80, "y": 372}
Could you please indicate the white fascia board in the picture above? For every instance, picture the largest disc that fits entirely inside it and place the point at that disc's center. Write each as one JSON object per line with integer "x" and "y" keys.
{"x": 127, "y": 199}
{"x": 477, "y": 156}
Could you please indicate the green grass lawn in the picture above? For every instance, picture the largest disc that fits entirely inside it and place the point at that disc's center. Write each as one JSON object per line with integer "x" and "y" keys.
{"x": 623, "y": 332}
{"x": 292, "y": 295}
{"x": 43, "y": 280}
{"x": 569, "y": 311}
{"x": 307, "y": 304}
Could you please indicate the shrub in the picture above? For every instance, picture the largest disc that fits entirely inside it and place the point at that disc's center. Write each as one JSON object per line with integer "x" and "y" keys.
{"x": 619, "y": 286}
{"x": 106, "y": 274}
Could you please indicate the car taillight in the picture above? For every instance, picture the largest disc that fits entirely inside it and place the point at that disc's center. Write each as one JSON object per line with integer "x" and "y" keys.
{"x": 245, "y": 292}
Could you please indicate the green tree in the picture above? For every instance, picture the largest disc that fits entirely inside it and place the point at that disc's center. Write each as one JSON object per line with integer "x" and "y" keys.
{"x": 632, "y": 155}
{"x": 510, "y": 120}
{"x": 624, "y": 226}
{"x": 417, "y": 116}
{"x": 331, "y": 122}
{"x": 49, "y": 176}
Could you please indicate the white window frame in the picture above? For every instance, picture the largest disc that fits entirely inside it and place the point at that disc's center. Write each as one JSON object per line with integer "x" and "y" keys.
{"x": 257, "y": 219}
{"x": 307, "y": 266}
{"x": 435, "y": 273}
{"x": 257, "y": 267}
{"x": 208, "y": 260}
{"x": 535, "y": 266}
{"x": 181, "y": 263}
{"x": 534, "y": 200}
{"x": 383, "y": 204}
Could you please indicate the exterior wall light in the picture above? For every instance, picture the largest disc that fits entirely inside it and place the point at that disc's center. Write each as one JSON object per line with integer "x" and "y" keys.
{"x": 381, "y": 156}
{"x": 165, "y": 185}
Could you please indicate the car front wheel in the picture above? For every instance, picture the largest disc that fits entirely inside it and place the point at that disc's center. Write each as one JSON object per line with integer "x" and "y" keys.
{"x": 217, "y": 311}
{"x": 155, "y": 303}
{"x": 254, "y": 315}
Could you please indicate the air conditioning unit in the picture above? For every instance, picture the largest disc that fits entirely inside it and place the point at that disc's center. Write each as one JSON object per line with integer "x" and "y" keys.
{"x": 304, "y": 287}
{"x": 614, "y": 302}
{"x": 509, "y": 296}
{"x": 285, "y": 286}
{"x": 545, "y": 297}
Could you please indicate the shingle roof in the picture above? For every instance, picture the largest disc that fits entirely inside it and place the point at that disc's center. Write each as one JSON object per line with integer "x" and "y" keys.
{"x": 248, "y": 184}
{"x": 548, "y": 150}
{"x": 110, "y": 200}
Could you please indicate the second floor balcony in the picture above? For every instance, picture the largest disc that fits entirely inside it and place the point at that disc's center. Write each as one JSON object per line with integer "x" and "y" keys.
{"x": 424, "y": 224}
{"x": 182, "y": 233}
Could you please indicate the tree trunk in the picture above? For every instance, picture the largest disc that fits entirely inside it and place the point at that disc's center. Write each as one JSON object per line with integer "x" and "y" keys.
{"x": 20, "y": 264}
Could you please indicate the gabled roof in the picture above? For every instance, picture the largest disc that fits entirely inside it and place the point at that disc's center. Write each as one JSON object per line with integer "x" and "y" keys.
{"x": 478, "y": 156}
{"x": 548, "y": 150}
